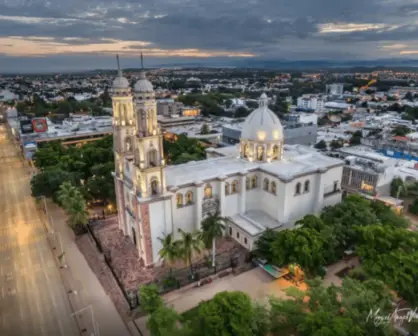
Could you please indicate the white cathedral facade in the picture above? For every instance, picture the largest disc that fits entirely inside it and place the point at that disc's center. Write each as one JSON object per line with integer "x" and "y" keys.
{"x": 262, "y": 184}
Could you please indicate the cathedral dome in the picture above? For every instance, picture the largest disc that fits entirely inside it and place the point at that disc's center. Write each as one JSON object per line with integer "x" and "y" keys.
{"x": 143, "y": 84}
{"x": 262, "y": 124}
{"x": 120, "y": 82}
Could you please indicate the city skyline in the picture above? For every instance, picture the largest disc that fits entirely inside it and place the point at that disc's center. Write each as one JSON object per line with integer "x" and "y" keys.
{"x": 83, "y": 35}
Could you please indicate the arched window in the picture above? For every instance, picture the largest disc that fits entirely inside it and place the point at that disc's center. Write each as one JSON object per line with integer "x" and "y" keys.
{"x": 234, "y": 187}
{"x": 226, "y": 188}
{"x": 306, "y": 187}
{"x": 189, "y": 197}
{"x": 260, "y": 153}
{"x": 208, "y": 191}
{"x": 273, "y": 187}
{"x": 266, "y": 184}
{"x": 128, "y": 145}
{"x": 275, "y": 155}
{"x": 179, "y": 200}
{"x": 246, "y": 149}
{"x": 254, "y": 182}
{"x": 154, "y": 187}
{"x": 152, "y": 158}
{"x": 297, "y": 189}
{"x": 247, "y": 183}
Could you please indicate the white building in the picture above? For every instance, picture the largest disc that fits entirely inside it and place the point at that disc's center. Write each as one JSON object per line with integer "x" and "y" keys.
{"x": 336, "y": 89}
{"x": 315, "y": 103}
{"x": 261, "y": 184}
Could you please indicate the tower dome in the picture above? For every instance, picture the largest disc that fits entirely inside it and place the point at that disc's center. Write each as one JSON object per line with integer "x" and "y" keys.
{"x": 262, "y": 125}
{"x": 143, "y": 84}
{"x": 120, "y": 82}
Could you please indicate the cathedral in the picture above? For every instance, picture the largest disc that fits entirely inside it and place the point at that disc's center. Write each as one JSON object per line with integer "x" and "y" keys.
{"x": 260, "y": 184}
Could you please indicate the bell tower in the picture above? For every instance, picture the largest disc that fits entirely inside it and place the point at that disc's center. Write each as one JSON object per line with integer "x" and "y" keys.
{"x": 123, "y": 120}
{"x": 149, "y": 155}
{"x": 123, "y": 137}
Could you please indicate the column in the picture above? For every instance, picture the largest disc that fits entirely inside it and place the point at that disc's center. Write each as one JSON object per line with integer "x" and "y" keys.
{"x": 222, "y": 197}
{"x": 199, "y": 199}
{"x": 319, "y": 200}
{"x": 243, "y": 193}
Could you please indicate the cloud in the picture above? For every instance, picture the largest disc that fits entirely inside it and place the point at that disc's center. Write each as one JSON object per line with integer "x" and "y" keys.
{"x": 208, "y": 28}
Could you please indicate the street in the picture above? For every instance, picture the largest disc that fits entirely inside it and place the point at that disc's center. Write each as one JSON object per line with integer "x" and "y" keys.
{"x": 33, "y": 300}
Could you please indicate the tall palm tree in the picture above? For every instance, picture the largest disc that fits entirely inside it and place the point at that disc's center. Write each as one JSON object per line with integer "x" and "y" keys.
{"x": 189, "y": 244}
{"x": 170, "y": 251}
{"x": 77, "y": 211}
{"x": 66, "y": 193}
{"x": 212, "y": 228}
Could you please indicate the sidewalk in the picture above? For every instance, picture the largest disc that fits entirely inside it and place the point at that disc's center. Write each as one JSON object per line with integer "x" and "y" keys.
{"x": 84, "y": 282}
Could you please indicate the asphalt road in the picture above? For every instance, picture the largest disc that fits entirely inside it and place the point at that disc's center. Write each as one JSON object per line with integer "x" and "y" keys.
{"x": 33, "y": 300}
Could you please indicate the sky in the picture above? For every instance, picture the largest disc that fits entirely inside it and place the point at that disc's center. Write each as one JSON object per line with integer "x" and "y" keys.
{"x": 41, "y": 35}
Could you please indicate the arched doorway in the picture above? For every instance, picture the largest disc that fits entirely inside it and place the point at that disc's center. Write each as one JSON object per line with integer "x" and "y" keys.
{"x": 154, "y": 187}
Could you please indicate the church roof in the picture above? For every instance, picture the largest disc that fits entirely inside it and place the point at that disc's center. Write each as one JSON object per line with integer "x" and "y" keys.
{"x": 262, "y": 124}
{"x": 143, "y": 84}
{"x": 298, "y": 161}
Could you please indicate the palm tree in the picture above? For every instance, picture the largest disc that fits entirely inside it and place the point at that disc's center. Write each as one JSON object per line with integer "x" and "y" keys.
{"x": 77, "y": 211}
{"x": 212, "y": 228}
{"x": 189, "y": 244}
{"x": 66, "y": 193}
{"x": 170, "y": 251}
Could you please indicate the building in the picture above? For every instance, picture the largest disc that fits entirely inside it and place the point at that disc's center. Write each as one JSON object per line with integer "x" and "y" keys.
{"x": 367, "y": 172}
{"x": 175, "y": 121}
{"x": 336, "y": 89}
{"x": 264, "y": 184}
{"x": 169, "y": 107}
{"x": 311, "y": 102}
{"x": 294, "y": 133}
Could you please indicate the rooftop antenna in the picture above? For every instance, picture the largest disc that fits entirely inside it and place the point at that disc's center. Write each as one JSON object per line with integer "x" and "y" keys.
{"x": 142, "y": 61}
{"x": 119, "y": 70}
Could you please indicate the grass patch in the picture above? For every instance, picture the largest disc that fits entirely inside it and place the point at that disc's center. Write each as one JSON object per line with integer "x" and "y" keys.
{"x": 190, "y": 314}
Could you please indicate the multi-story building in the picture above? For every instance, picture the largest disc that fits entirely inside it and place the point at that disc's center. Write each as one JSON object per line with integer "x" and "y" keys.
{"x": 311, "y": 102}
{"x": 336, "y": 89}
{"x": 169, "y": 107}
{"x": 367, "y": 172}
{"x": 293, "y": 132}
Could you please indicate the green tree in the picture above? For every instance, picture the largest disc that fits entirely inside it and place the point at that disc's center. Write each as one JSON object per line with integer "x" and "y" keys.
{"x": 241, "y": 112}
{"x": 302, "y": 246}
{"x": 49, "y": 155}
{"x": 212, "y": 228}
{"x": 321, "y": 145}
{"x": 391, "y": 255}
{"x": 150, "y": 299}
{"x": 204, "y": 129}
{"x": 397, "y": 188}
{"x": 46, "y": 183}
{"x": 64, "y": 107}
{"x": 335, "y": 144}
{"x": 356, "y": 138}
{"x": 332, "y": 310}
{"x": 66, "y": 194}
{"x": 264, "y": 244}
{"x": 190, "y": 244}
{"x": 164, "y": 321}
{"x": 401, "y": 130}
{"x": 170, "y": 251}
{"x": 227, "y": 314}
{"x": 78, "y": 215}
{"x": 413, "y": 208}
